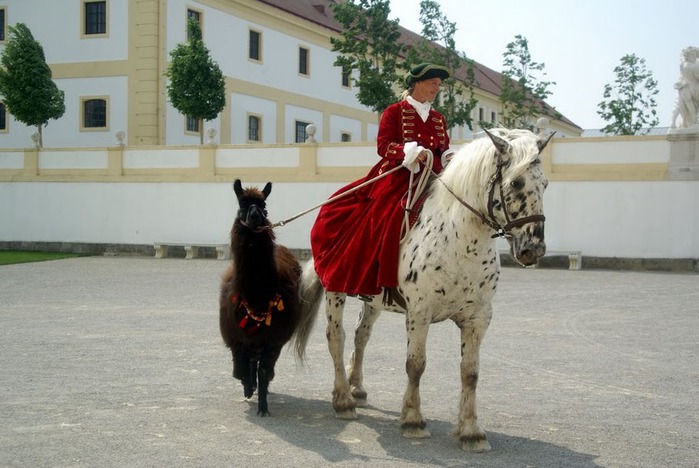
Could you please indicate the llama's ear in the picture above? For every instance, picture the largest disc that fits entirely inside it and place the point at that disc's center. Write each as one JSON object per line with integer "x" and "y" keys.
{"x": 500, "y": 143}
{"x": 542, "y": 142}
{"x": 237, "y": 188}
{"x": 267, "y": 190}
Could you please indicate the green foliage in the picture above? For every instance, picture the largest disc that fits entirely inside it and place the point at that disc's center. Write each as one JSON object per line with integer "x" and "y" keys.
{"x": 456, "y": 100}
{"x": 369, "y": 44}
{"x": 522, "y": 92}
{"x": 27, "y": 89}
{"x": 197, "y": 88}
{"x": 629, "y": 105}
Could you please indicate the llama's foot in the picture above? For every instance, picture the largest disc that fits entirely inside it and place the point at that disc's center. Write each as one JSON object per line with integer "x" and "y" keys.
{"x": 262, "y": 410}
{"x": 248, "y": 389}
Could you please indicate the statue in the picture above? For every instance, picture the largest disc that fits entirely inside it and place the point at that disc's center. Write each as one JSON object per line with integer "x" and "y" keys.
{"x": 687, "y": 89}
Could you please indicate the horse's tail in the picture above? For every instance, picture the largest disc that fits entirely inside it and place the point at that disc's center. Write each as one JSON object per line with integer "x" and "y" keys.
{"x": 310, "y": 293}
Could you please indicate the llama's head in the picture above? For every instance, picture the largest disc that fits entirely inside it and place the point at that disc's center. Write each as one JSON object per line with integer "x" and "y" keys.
{"x": 252, "y": 211}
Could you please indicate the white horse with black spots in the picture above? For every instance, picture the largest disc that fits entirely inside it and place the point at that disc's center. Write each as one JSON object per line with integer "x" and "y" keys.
{"x": 448, "y": 269}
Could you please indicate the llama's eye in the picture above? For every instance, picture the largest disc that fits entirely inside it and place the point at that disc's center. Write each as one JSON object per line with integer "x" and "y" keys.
{"x": 517, "y": 184}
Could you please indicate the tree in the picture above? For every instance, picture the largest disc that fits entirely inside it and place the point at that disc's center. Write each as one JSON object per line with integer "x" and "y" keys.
{"x": 629, "y": 105}
{"x": 369, "y": 44}
{"x": 522, "y": 92}
{"x": 437, "y": 46}
{"x": 28, "y": 91}
{"x": 197, "y": 88}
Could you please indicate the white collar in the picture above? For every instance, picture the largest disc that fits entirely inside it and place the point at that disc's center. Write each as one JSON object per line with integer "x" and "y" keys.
{"x": 422, "y": 108}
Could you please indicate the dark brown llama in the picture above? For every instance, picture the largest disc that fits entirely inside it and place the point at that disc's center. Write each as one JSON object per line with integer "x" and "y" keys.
{"x": 259, "y": 302}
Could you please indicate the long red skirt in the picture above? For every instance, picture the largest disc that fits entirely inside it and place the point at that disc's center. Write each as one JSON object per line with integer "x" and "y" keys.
{"x": 355, "y": 240}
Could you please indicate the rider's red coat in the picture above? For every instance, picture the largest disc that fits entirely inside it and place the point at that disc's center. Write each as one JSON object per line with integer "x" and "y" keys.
{"x": 355, "y": 240}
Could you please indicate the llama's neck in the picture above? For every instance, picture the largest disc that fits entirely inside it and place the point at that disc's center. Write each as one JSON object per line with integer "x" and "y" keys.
{"x": 255, "y": 265}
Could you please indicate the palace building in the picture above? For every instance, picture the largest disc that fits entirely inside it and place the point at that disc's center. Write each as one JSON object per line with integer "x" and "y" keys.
{"x": 110, "y": 59}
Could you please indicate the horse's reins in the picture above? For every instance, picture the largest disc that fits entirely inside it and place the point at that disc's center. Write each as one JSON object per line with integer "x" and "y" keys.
{"x": 490, "y": 221}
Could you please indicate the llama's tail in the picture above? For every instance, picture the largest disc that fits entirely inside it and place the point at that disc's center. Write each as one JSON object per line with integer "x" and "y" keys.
{"x": 311, "y": 293}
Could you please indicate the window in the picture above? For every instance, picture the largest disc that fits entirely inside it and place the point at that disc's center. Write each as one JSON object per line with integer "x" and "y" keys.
{"x": 254, "y": 128}
{"x": 192, "y": 15}
{"x": 192, "y": 125}
{"x": 94, "y": 113}
{"x": 303, "y": 61}
{"x": 254, "y": 49}
{"x": 345, "y": 137}
{"x": 346, "y": 78}
{"x": 301, "y": 134}
{"x": 480, "y": 114}
{"x": 3, "y": 23}
{"x": 493, "y": 117}
{"x": 3, "y": 117}
{"x": 95, "y": 16}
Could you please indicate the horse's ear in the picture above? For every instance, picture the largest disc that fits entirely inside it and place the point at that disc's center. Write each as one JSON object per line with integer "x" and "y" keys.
{"x": 237, "y": 188}
{"x": 500, "y": 143}
{"x": 541, "y": 142}
{"x": 267, "y": 190}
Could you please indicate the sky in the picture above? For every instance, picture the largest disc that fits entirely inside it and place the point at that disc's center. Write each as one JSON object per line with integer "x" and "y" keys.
{"x": 579, "y": 42}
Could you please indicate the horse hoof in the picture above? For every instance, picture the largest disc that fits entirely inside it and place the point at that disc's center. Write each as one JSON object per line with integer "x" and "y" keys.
{"x": 360, "y": 398}
{"x": 346, "y": 414}
{"x": 475, "y": 446}
{"x": 263, "y": 413}
{"x": 414, "y": 432}
{"x": 361, "y": 402}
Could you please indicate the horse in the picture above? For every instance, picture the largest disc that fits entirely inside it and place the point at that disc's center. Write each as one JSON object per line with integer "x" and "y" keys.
{"x": 448, "y": 269}
{"x": 259, "y": 310}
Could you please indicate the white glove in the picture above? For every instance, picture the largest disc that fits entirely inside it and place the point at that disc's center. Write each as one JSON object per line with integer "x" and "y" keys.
{"x": 412, "y": 151}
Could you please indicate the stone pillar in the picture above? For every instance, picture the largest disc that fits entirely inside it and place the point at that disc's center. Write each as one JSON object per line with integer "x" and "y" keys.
{"x": 684, "y": 155}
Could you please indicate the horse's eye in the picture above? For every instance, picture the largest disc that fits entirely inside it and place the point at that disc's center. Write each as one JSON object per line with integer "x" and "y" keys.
{"x": 517, "y": 184}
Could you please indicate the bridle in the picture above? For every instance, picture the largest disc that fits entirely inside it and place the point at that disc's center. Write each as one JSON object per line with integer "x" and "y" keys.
{"x": 490, "y": 220}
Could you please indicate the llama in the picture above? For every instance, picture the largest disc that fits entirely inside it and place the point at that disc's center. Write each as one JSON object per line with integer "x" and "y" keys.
{"x": 259, "y": 301}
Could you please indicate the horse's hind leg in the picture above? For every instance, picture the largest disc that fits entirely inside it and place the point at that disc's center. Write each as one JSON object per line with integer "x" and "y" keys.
{"x": 472, "y": 437}
{"x": 355, "y": 369}
{"x": 343, "y": 403}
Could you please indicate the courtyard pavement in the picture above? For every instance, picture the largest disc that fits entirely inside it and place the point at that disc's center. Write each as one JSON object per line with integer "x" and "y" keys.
{"x": 117, "y": 361}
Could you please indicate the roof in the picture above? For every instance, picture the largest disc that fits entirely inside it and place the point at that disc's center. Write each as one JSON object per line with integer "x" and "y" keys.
{"x": 596, "y": 132}
{"x": 321, "y": 13}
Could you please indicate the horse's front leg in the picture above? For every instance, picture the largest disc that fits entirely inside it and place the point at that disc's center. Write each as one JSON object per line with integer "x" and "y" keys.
{"x": 355, "y": 369}
{"x": 414, "y": 426}
{"x": 343, "y": 403}
{"x": 472, "y": 437}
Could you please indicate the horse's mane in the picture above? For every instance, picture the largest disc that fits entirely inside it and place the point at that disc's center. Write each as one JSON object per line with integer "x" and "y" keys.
{"x": 470, "y": 170}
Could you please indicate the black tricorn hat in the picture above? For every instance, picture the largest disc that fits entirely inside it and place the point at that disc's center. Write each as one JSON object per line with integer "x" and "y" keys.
{"x": 426, "y": 71}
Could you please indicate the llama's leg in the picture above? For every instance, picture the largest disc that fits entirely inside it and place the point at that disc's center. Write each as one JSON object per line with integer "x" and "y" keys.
{"x": 245, "y": 369}
{"x": 413, "y": 424}
{"x": 472, "y": 437}
{"x": 250, "y": 379}
{"x": 265, "y": 374}
{"x": 355, "y": 369}
{"x": 343, "y": 403}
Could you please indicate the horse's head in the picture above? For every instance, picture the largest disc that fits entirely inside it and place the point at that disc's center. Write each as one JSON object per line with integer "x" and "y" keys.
{"x": 516, "y": 192}
{"x": 252, "y": 211}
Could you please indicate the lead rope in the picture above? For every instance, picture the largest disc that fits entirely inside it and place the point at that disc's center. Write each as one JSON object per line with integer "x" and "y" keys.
{"x": 336, "y": 197}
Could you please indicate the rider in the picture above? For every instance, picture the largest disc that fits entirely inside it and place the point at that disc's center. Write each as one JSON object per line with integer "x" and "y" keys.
{"x": 355, "y": 240}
